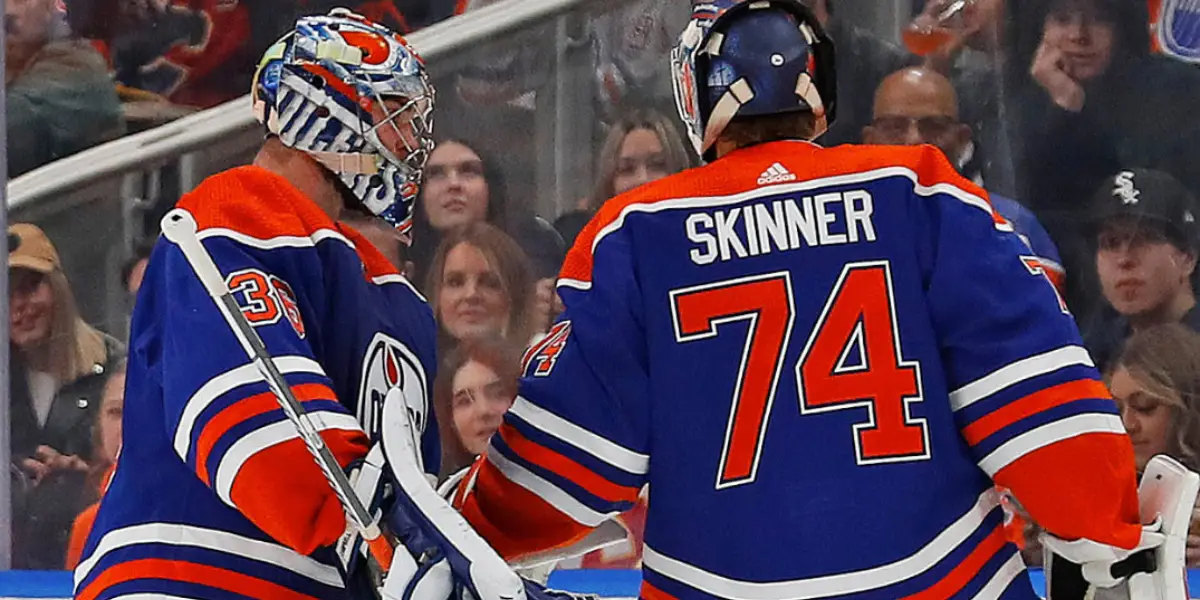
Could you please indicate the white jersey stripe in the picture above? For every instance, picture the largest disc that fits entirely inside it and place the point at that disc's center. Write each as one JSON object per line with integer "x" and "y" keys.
{"x": 282, "y": 241}
{"x": 1047, "y": 434}
{"x": 574, "y": 284}
{"x": 1010, "y": 570}
{"x": 224, "y": 383}
{"x": 397, "y": 278}
{"x": 829, "y": 585}
{"x": 267, "y": 436}
{"x": 209, "y": 539}
{"x": 1016, "y": 372}
{"x": 614, "y": 454}
{"x": 552, "y": 494}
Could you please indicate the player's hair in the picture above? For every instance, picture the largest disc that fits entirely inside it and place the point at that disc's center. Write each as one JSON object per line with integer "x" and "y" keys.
{"x": 72, "y": 347}
{"x": 500, "y": 355}
{"x": 510, "y": 263}
{"x": 678, "y": 158}
{"x": 752, "y": 131}
{"x": 1165, "y": 361}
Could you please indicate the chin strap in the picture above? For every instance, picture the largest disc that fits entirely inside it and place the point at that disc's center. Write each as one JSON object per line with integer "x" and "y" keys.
{"x": 349, "y": 163}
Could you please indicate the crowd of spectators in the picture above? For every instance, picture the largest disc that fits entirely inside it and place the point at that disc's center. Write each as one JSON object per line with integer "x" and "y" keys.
{"x": 1066, "y": 111}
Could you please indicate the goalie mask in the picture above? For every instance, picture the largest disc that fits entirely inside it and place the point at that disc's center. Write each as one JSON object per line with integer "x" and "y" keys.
{"x": 354, "y": 96}
{"x": 751, "y": 58}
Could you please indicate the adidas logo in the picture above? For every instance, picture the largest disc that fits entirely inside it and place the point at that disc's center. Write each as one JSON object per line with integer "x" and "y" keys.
{"x": 776, "y": 173}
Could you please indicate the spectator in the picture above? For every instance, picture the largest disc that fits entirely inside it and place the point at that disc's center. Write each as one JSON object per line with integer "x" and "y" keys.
{"x": 190, "y": 52}
{"x": 480, "y": 285}
{"x": 1156, "y": 383}
{"x": 641, "y": 146}
{"x": 863, "y": 61}
{"x": 59, "y": 97}
{"x": 107, "y": 445}
{"x": 1094, "y": 102}
{"x": 632, "y": 44}
{"x": 975, "y": 59}
{"x": 917, "y": 105}
{"x": 1145, "y": 235}
{"x": 58, "y": 365}
{"x": 476, "y": 385}
{"x": 134, "y": 268}
{"x": 463, "y": 187}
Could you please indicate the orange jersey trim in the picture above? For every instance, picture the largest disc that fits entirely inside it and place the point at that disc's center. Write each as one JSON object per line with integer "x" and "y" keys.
{"x": 565, "y": 467}
{"x": 1060, "y": 494}
{"x": 740, "y": 174}
{"x": 1032, "y": 404}
{"x": 965, "y": 571}
{"x": 255, "y": 202}
{"x": 244, "y": 409}
{"x": 376, "y": 264}
{"x": 649, "y": 592}
{"x": 515, "y": 521}
{"x": 294, "y": 504}
{"x": 189, "y": 572}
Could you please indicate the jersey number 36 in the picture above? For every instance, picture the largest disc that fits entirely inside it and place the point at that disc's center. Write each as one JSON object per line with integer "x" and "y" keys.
{"x": 859, "y": 319}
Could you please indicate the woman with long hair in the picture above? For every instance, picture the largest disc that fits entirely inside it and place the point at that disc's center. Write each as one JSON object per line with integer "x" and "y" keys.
{"x": 479, "y": 285}
{"x": 476, "y": 385}
{"x": 642, "y": 146}
{"x": 58, "y": 367}
{"x": 463, "y": 186}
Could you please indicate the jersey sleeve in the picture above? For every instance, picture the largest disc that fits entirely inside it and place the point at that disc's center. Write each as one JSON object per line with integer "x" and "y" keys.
{"x": 572, "y": 451}
{"x": 1025, "y": 394}
{"x": 223, "y": 420}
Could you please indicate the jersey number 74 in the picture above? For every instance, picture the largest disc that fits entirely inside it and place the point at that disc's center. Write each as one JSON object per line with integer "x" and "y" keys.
{"x": 859, "y": 315}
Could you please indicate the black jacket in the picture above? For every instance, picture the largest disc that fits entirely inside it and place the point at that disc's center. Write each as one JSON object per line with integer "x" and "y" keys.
{"x": 43, "y": 513}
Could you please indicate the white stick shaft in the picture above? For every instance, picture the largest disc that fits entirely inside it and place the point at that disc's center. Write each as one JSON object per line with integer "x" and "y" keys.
{"x": 180, "y": 228}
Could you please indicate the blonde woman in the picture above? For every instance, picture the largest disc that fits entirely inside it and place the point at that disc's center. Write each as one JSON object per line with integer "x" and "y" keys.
{"x": 1156, "y": 383}
{"x": 640, "y": 147}
{"x": 59, "y": 365}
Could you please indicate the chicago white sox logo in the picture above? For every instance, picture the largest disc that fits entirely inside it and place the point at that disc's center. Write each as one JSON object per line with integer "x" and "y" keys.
{"x": 1123, "y": 188}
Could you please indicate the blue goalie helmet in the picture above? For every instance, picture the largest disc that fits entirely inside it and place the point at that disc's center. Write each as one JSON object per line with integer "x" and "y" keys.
{"x": 356, "y": 97}
{"x": 751, "y": 58}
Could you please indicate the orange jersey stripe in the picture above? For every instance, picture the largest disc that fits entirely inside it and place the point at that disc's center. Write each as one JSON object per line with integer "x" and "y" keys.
{"x": 376, "y": 264}
{"x": 175, "y": 570}
{"x": 965, "y": 571}
{"x": 515, "y": 521}
{"x": 741, "y": 175}
{"x": 285, "y": 494}
{"x": 249, "y": 200}
{"x": 1068, "y": 509}
{"x": 561, "y": 465}
{"x": 649, "y": 592}
{"x": 1032, "y": 404}
{"x": 248, "y": 408}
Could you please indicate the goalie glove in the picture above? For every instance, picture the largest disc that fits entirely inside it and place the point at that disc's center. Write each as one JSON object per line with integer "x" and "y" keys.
{"x": 1155, "y": 569}
{"x": 445, "y": 559}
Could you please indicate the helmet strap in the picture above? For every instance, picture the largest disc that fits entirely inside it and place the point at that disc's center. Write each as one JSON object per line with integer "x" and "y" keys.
{"x": 726, "y": 108}
{"x": 348, "y": 163}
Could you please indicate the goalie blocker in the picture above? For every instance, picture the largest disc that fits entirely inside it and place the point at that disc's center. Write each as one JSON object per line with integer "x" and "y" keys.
{"x": 1154, "y": 570}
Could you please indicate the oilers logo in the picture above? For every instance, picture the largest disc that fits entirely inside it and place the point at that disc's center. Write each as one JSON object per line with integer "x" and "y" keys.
{"x": 389, "y": 364}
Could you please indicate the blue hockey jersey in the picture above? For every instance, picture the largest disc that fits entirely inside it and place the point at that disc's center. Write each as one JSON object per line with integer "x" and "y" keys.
{"x": 822, "y": 361}
{"x": 215, "y": 495}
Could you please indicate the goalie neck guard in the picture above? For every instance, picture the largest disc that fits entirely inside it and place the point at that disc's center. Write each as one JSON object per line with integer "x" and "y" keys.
{"x": 751, "y": 58}
{"x": 356, "y": 97}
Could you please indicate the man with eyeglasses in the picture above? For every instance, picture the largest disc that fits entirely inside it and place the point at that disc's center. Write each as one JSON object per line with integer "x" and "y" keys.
{"x": 916, "y": 106}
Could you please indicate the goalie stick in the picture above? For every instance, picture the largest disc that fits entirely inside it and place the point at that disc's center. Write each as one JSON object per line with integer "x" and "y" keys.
{"x": 179, "y": 226}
